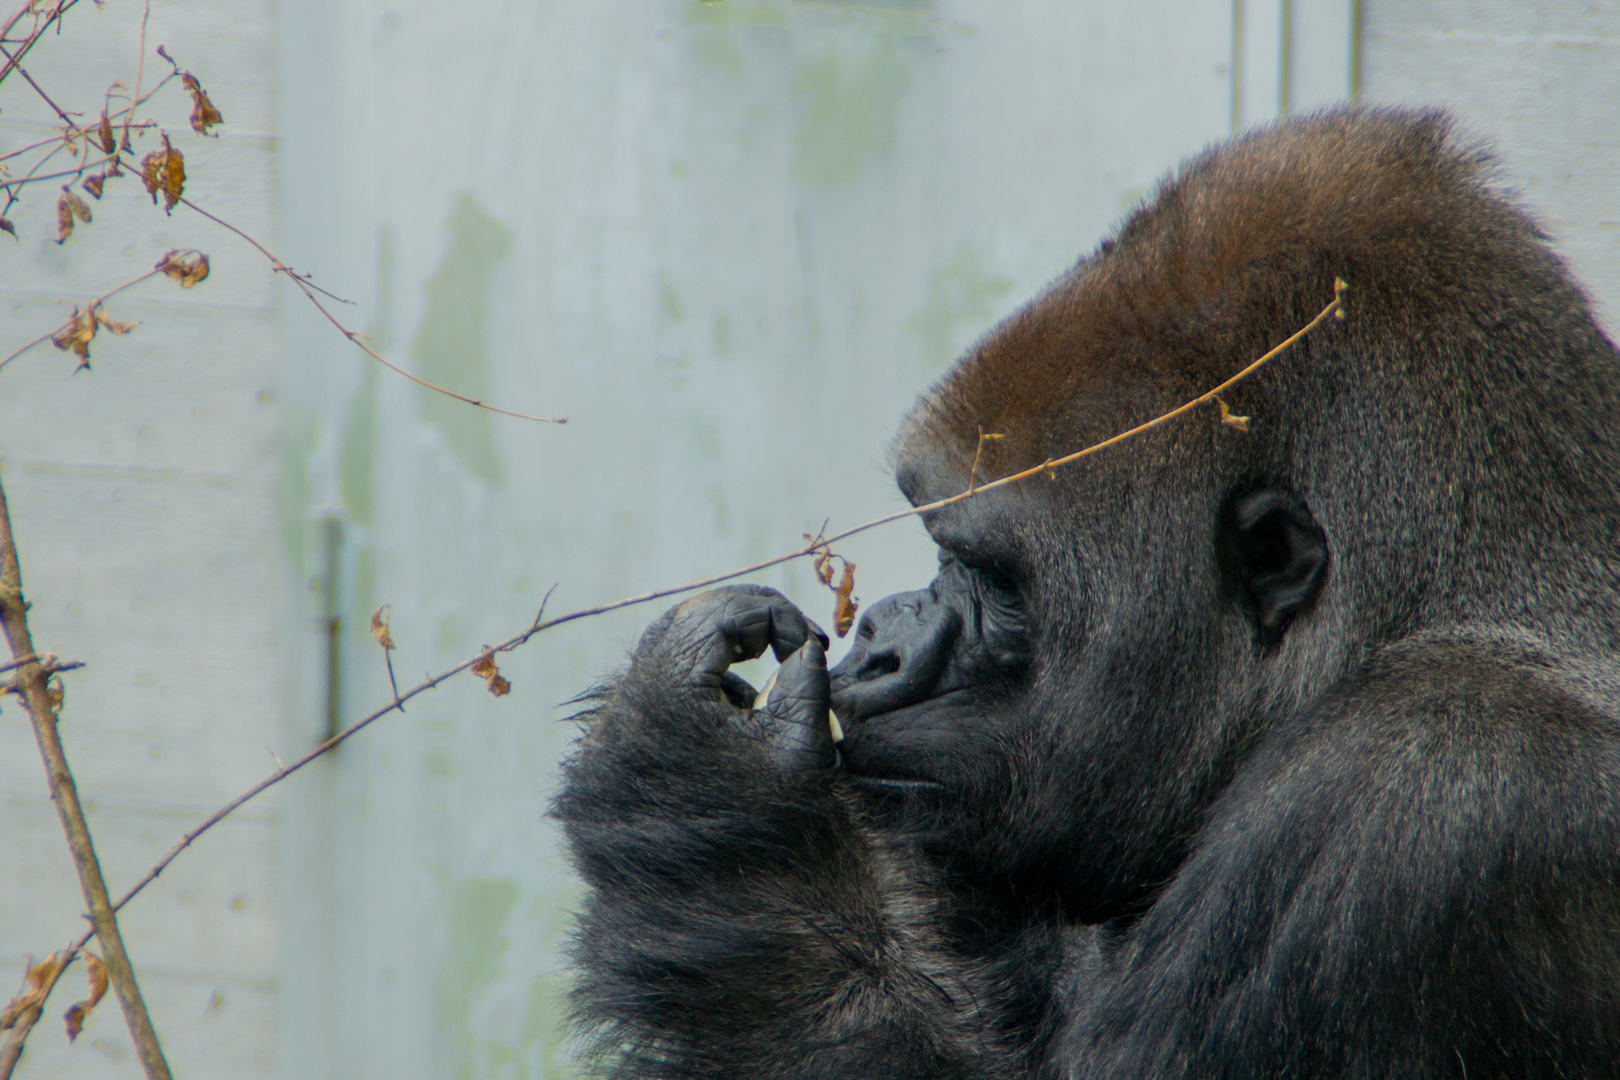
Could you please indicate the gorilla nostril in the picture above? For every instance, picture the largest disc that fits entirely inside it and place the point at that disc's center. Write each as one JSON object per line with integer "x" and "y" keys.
{"x": 875, "y": 667}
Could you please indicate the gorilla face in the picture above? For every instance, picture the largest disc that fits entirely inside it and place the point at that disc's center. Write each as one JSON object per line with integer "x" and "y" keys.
{"x": 931, "y": 664}
{"x": 1047, "y": 699}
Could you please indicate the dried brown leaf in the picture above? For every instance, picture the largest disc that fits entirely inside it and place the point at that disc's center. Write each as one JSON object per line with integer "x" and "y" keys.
{"x": 845, "y": 605}
{"x": 79, "y": 1012}
{"x": 93, "y": 184}
{"x": 186, "y": 269}
{"x": 379, "y": 628}
{"x": 76, "y": 336}
{"x": 113, "y": 325}
{"x": 7, "y": 226}
{"x": 74, "y": 1019}
{"x": 164, "y": 171}
{"x": 485, "y": 669}
{"x": 64, "y": 220}
{"x": 36, "y": 987}
{"x": 80, "y": 208}
{"x": 203, "y": 113}
{"x": 104, "y": 134}
{"x": 1231, "y": 419}
{"x": 97, "y": 972}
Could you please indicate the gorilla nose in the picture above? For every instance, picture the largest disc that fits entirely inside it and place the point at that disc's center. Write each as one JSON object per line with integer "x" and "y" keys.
{"x": 901, "y": 650}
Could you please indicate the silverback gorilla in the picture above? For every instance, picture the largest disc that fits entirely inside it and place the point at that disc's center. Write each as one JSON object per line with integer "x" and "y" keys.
{"x": 1288, "y": 753}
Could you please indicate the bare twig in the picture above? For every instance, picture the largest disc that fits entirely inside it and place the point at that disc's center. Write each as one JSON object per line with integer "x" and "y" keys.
{"x": 811, "y": 546}
{"x": 11, "y": 62}
{"x": 32, "y": 680}
{"x": 140, "y": 67}
{"x": 354, "y": 335}
{"x": 62, "y": 8}
{"x": 978, "y": 452}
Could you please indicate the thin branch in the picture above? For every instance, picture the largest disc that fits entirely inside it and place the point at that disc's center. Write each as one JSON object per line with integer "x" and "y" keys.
{"x": 140, "y": 66}
{"x": 32, "y": 681}
{"x": 355, "y": 336}
{"x": 811, "y": 546}
{"x": 96, "y": 305}
{"x": 35, "y": 34}
{"x": 11, "y": 62}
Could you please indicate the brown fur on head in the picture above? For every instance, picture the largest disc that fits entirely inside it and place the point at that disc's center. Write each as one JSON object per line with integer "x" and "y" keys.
{"x": 1237, "y": 249}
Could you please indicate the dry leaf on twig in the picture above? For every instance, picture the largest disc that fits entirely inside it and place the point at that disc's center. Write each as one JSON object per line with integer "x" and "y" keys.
{"x": 1231, "y": 419}
{"x": 186, "y": 269}
{"x": 485, "y": 669}
{"x": 845, "y": 605}
{"x": 80, "y": 1011}
{"x": 34, "y": 991}
{"x": 64, "y": 220}
{"x": 76, "y": 336}
{"x": 7, "y": 226}
{"x": 379, "y": 628}
{"x": 203, "y": 113}
{"x": 93, "y": 183}
{"x": 68, "y": 207}
{"x": 104, "y": 134}
{"x": 164, "y": 170}
{"x": 113, "y": 325}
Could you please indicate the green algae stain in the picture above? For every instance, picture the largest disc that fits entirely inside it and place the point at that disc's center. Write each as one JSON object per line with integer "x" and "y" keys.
{"x": 439, "y": 765}
{"x": 668, "y": 299}
{"x": 297, "y": 444}
{"x": 727, "y": 13}
{"x": 357, "y": 444}
{"x": 853, "y": 97}
{"x": 543, "y": 1013}
{"x": 963, "y": 290}
{"x": 357, "y": 451}
{"x": 476, "y": 911}
{"x": 451, "y": 348}
{"x": 715, "y": 48}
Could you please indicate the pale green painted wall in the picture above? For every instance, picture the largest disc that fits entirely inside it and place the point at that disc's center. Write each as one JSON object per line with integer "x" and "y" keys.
{"x": 730, "y": 241}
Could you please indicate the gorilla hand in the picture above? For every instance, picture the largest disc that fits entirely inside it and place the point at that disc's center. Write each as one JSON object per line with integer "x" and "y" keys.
{"x": 694, "y": 644}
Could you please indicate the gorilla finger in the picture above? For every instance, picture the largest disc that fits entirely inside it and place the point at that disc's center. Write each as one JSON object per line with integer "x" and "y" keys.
{"x": 791, "y": 629}
{"x": 796, "y": 711}
{"x": 738, "y": 690}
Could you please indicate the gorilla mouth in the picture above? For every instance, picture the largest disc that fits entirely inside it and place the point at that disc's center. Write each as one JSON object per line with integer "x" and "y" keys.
{"x": 887, "y": 753}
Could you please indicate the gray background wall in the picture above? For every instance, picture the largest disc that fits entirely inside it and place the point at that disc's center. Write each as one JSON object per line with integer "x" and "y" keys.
{"x": 730, "y": 241}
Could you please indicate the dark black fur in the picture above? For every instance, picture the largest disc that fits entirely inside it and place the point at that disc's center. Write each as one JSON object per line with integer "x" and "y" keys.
{"x": 1287, "y": 753}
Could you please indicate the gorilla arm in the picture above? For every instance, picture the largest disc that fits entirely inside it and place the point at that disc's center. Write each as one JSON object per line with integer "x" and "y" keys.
{"x": 744, "y": 919}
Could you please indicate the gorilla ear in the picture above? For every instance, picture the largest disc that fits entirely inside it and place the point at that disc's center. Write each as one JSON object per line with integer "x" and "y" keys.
{"x": 1274, "y": 558}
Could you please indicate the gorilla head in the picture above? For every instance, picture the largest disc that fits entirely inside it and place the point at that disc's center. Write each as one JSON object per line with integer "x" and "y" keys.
{"x": 1100, "y": 648}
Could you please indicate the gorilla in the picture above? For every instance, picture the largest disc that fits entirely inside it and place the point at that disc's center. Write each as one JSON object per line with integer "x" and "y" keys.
{"x": 1292, "y": 752}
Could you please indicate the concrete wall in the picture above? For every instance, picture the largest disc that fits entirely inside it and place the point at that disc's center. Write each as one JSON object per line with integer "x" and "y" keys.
{"x": 1539, "y": 81}
{"x": 730, "y": 241}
